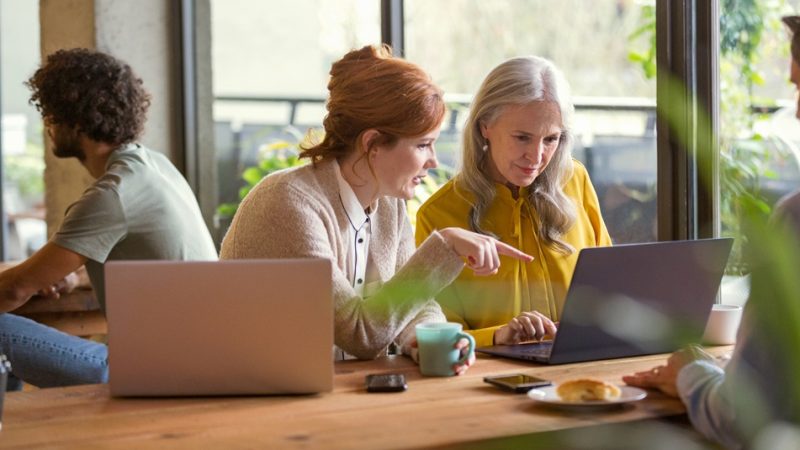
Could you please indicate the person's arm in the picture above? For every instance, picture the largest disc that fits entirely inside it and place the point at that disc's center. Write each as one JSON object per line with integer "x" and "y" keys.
{"x": 733, "y": 405}
{"x": 428, "y": 219}
{"x": 703, "y": 387}
{"x": 300, "y": 225}
{"x": 281, "y": 221}
{"x": 429, "y": 313}
{"x": 45, "y": 269}
{"x": 664, "y": 377}
{"x": 426, "y": 225}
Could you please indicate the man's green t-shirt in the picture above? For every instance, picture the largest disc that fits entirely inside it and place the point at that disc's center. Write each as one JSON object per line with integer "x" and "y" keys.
{"x": 141, "y": 208}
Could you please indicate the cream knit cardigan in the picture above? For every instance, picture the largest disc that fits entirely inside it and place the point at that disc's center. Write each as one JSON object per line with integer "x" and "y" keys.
{"x": 297, "y": 213}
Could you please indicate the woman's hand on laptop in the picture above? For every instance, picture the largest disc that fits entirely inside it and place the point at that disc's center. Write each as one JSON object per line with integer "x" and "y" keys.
{"x": 664, "y": 377}
{"x": 527, "y": 326}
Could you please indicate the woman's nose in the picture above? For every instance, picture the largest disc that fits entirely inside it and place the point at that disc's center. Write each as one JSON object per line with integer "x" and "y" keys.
{"x": 536, "y": 152}
{"x": 432, "y": 162}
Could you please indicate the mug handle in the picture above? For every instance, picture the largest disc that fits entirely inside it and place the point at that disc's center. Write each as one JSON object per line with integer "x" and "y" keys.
{"x": 471, "y": 340}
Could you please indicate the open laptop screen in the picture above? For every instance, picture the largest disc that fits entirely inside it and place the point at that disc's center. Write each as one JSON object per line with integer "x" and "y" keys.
{"x": 635, "y": 299}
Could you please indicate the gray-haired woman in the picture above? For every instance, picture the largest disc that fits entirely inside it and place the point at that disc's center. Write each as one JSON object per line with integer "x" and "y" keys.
{"x": 520, "y": 184}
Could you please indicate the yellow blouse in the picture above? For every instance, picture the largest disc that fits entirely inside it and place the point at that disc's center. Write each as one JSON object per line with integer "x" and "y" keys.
{"x": 483, "y": 304}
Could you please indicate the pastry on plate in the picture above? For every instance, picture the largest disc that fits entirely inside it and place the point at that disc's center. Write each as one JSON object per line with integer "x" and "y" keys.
{"x": 587, "y": 390}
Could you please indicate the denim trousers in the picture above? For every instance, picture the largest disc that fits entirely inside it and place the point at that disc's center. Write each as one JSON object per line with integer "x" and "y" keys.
{"x": 45, "y": 357}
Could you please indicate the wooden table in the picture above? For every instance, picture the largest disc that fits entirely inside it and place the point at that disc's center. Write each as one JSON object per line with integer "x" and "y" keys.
{"x": 75, "y": 313}
{"x": 434, "y": 412}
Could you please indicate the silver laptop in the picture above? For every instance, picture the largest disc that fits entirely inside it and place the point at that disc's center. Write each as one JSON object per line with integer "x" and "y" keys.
{"x": 219, "y": 328}
{"x": 630, "y": 300}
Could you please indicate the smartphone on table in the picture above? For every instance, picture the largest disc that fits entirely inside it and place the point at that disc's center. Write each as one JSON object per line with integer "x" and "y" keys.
{"x": 517, "y": 382}
{"x": 386, "y": 382}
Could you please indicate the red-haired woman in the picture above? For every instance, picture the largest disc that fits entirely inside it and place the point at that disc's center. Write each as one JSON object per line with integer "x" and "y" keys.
{"x": 348, "y": 206}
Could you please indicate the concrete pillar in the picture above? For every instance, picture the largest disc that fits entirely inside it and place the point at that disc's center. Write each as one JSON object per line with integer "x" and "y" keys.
{"x": 64, "y": 24}
{"x": 140, "y": 33}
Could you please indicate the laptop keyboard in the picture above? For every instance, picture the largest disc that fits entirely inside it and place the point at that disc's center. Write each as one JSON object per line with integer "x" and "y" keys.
{"x": 540, "y": 351}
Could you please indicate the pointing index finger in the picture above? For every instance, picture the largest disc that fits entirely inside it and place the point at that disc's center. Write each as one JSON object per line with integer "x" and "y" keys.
{"x": 505, "y": 249}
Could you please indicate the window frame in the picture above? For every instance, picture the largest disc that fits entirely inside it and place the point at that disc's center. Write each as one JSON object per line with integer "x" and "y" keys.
{"x": 3, "y": 215}
{"x": 687, "y": 45}
{"x": 687, "y": 38}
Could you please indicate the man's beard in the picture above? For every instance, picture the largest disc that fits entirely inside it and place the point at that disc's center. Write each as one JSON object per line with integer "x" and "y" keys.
{"x": 66, "y": 144}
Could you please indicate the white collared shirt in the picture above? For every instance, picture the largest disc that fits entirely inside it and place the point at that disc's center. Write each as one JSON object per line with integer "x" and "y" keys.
{"x": 357, "y": 242}
{"x": 357, "y": 238}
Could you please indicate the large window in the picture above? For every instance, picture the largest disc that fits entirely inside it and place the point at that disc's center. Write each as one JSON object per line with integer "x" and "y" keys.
{"x": 602, "y": 57}
{"x": 651, "y": 184}
{"x": 759, "y": 134}
{"x": 22, "y": 146}
{"x": 270, "y": 69}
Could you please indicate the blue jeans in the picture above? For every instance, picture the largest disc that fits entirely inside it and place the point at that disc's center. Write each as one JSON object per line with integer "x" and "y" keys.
{"x": 46, "y": 357}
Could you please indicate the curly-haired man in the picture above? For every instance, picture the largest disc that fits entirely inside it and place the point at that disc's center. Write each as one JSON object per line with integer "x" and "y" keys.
{"x": 139, "y": 207}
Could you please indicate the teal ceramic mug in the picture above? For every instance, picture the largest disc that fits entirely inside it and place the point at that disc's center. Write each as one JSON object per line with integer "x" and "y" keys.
{"x": 437, "y": 354}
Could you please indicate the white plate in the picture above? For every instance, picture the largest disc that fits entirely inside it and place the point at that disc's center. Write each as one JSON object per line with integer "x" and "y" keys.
{"x": 549, "y": 396}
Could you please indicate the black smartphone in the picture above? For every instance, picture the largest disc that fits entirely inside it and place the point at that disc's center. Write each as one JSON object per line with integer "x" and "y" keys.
{"x": 517, "y": 382}
{"x": 386, "y": 382}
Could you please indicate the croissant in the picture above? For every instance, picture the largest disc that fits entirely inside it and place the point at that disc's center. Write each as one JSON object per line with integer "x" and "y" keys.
{"x": 587, "y": 390}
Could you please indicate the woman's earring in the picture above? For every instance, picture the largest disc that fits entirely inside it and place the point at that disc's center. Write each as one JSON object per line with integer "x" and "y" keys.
{"x": 485, "y": 147}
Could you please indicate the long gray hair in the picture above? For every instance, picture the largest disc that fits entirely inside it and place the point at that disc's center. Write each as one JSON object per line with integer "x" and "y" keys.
{"x": 520, "y": 81}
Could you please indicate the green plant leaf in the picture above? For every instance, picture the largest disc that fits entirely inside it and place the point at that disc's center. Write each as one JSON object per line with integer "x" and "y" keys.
{"x": 637, "y": 57}
{"x": 243, "y": 191}
{"x": 227, "y": 209}
{"x": 650, "y": 69}
{"x": 252, "y": 175}
{"x": 757, "y": 78}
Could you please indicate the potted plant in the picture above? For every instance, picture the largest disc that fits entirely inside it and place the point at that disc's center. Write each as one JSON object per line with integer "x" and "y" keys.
{"x": 272, "y": 156}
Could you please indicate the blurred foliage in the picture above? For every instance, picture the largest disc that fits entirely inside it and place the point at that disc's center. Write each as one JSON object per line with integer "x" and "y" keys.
{"x": 772, "y": 311}
{"x": 741, "y": 23}
{"x": 273, "y": 156}
{"x": 744, "y": 155}
{"x": 776, "y": 287}
{"x": 646, "y": 31}
{"x": 26, "y": 171}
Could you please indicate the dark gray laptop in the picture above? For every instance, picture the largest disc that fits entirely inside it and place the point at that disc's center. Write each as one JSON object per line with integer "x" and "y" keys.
{"x": 630, "y": 300}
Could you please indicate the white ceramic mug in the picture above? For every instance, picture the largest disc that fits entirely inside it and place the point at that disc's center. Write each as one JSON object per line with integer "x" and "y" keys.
{"x": 723, "y": 323}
